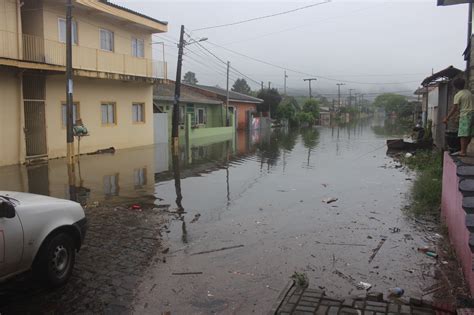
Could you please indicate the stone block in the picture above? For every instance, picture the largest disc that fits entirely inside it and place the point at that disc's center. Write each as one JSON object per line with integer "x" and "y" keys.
{"x": 416, "y": 302}
{"x": 294, "y": 299}
{"x": 330, "y": 302}
{"x": 302, "y": 308}
{"x": 348, "y": 302}
{"x": 422, "y": 311}
{"x": 322, "y": 310}
{"x": 405, "y": 309}
{"x": 349, "y": 311}
{"x": 373, "y": 308}
{"x": 359, "y": 304}
{"x": 310, "y": 299}
{"x": 393, "y": 308}
{"x": 375, "y": 296}
{"x": 308, "y": 303}
{"x": 302, "y": 313}
{"x": 333, "y": 310}
{"x": 368, "y": 313}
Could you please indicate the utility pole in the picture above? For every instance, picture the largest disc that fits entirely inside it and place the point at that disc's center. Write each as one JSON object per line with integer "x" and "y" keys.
{"x": 177, "y": 93}
{"x": 69, "y": 86}
{"x": 339, "y": 94}
{"x": 285, "y": 83}
{"x": 350, "y": 97}
{"x": 261, "y": 86}
{"x": 309, "y": 82}
{"x": 227, "y": 97}
{"x": 269, "y": 85}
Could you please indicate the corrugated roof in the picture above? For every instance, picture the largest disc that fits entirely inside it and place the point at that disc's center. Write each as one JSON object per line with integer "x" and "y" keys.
{"x": 448, "y": 73}
{"x": 232, "y": 95}
{"x": 133, "y": 12}
{"x": 165, "y": 92}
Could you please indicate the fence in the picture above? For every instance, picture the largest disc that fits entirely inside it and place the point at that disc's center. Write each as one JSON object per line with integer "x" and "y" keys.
{"x": 39, "y": 49}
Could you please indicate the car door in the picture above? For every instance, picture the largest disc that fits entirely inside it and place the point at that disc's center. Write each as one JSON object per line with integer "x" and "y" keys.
{"x": 11, "y": 245}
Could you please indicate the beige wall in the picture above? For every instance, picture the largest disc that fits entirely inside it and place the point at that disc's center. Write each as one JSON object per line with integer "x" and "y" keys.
{"x": 9, "y": 117}
{"x": 88, "y": 26}
{"x": 90, "y": 93}
{"x": 8, "y": 29}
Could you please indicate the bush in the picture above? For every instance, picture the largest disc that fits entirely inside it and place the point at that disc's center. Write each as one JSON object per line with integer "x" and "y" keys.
{"x": 426, "y": 191}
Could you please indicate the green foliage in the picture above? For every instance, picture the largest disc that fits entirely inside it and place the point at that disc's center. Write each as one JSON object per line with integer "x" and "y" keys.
{"x": 305, "y": 118}
{"x": 241, "y": 86}
{"x": 271, "y": 99}
{"x": 394, "y": 103}
{"x": 190, "y": 78}
{"x": 426, "y": 191}
{"x": 287, "y": 109}
{"x": 311, "y": 106}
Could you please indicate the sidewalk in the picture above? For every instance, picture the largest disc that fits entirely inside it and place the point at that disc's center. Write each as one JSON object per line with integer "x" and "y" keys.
{"x": 299, "y": 301}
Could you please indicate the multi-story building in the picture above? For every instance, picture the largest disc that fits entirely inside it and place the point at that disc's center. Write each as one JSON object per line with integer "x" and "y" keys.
{"x": 113, "y": 70}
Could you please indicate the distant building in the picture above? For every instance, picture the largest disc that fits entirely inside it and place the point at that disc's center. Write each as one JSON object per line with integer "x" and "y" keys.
{"x": 437, "y": 98}
{"x": 113, "y": 77}
{"x": 240, "y": 104}
{"x": 205, "y": 113}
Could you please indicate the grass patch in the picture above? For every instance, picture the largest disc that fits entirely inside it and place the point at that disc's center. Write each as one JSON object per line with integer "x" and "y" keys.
{"x": 426, "y": 191}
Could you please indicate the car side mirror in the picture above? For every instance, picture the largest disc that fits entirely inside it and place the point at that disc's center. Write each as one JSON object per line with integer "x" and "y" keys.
{"x": 7, "y": 210}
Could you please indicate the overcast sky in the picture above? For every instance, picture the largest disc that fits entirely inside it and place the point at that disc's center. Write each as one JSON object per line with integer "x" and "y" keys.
{"x": 355, "y": 42}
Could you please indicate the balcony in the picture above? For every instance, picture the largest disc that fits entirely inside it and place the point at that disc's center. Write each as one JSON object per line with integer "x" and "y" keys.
{"x": 38, "y": 49}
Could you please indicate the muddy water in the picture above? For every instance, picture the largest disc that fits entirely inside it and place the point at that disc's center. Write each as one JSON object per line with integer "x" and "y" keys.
{"x": 265, "y": 210}
{"x": 259, "y": 197}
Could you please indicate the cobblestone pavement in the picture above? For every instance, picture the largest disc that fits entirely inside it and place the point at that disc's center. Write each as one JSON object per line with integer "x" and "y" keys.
{"x": 119, "y": 245}
{"x": 299, "y": 301}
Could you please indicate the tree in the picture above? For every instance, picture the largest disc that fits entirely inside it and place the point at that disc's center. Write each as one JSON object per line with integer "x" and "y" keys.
{"x": 287, "y": 109}
{"x": 394, "y": 103}
{"x": 271, "y": 99}
{"x": 241, "y": 86}
{"x": 311, "y": 106}
{"x": 190, "y": 78}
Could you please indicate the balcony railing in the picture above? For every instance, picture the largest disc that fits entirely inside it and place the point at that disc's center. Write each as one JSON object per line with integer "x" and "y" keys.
{"x": 42, "y": 50}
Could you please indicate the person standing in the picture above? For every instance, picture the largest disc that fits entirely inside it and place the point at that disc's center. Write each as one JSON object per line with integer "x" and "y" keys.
{"x": 464, "y": 104}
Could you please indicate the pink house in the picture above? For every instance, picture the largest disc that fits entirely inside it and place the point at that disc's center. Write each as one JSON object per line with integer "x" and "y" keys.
{"x": 457, "y": 211}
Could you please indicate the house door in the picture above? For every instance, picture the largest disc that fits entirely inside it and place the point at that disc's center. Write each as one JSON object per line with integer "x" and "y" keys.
{"x": 35, "y": 118}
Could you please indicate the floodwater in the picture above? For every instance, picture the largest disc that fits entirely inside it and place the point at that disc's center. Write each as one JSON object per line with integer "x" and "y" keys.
{"x": 259, "y": 198}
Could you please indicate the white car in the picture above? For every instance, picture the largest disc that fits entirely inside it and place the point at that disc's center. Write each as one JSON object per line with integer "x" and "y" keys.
{"x": 41, "y": 234}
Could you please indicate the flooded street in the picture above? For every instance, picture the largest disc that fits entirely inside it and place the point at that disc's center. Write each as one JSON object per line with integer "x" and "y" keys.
{"x": 251, "y": 213}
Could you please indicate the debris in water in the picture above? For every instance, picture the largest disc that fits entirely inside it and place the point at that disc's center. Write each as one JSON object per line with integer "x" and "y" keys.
{"x": 394, "y": 230}
{"x": 363, "y": 286}
{"x": 186, "y": 273}
{"x": 376, "y": 250}
{"x": 301, "y": 279}
{"x": 432, "y": 254}
{"x": 395, "y": 292}
{"x": 136, "y": 207}
{"x": 324, "y": 185}
{"x": 196, "y": 217}
{"x": 165, "y": 251}
{"x": 217, "y": 250}
{"x": 408, "y": 155}
{"x": 330, "y": 200}
{"x": 341, "y": 244}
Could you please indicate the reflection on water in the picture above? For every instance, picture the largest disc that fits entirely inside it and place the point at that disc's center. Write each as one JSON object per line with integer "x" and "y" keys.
{"x": 134, "y": 173}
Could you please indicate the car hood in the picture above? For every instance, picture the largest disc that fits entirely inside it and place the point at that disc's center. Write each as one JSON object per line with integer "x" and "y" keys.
{"x": 26, "y": 199}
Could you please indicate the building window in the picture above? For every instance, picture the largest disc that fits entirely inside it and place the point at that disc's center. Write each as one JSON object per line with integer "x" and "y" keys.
{"x": 138, "y": 112}
{"x": 139, "y": 178}
{"x": 62, "y": 31}
{"x": 111, "y": 185}
{"x": 138, "y": 47}
{"x": 109, "y": 115}
{"x": 75, "y": 113}
{"x": 106, "y": 40}
{"x": 201, "y": 116}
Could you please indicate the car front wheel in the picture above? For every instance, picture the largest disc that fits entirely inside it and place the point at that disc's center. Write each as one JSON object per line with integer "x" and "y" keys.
{"x": 56, "y": 260}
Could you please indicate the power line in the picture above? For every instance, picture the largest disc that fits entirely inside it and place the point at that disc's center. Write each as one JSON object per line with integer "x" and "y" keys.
{"x": 262, "y": 17}
{"x": 305, "y": 73}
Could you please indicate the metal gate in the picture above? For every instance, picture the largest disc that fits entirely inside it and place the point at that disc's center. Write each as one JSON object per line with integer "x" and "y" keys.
{"x": 160, "y": 126}
{"x": 35, "y": 118}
